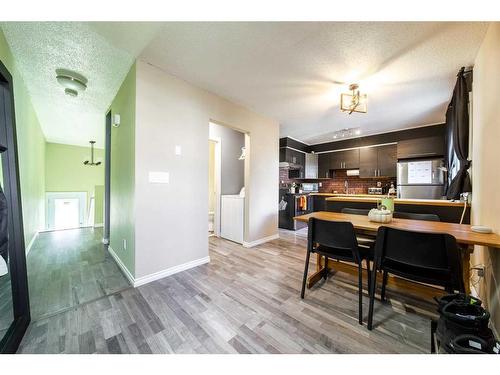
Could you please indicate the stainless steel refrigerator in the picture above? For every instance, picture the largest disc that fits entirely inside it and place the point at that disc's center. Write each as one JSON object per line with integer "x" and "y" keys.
{"x": 421, "y": 179}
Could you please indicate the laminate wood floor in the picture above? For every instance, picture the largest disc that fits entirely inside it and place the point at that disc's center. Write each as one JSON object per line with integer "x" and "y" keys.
{"x": 6, "y": 308}
{"x": 243, "y": 301}
{"x": 69, "y": 267}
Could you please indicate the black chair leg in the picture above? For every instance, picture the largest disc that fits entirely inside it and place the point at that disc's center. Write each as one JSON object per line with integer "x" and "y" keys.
{"x": 384, "y": 283}
{"x": 306, "y": 268}
{"x": 368, "y": 273}
{"x": 325, "y": 271}
{"x": 373, "y": 287}
{"x": 360, "y": 292}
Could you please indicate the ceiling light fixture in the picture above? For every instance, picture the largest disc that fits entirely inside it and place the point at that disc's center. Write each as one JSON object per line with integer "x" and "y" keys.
{"x": 346, "y": 133}
{"x": 91, "y": 161}
{"x": 72, "y": 82}
{"x": 353, "y": 102}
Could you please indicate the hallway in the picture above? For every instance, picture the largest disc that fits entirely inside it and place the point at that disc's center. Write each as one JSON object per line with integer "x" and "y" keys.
{"x": 70, "y": 267}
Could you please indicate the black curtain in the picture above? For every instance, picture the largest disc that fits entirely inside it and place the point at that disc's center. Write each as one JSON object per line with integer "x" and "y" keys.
{"x": 457, "y": 122}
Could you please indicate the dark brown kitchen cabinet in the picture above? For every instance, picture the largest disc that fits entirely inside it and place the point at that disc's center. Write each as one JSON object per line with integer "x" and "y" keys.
{"x": 387, "y": 161}
{"x": 378, "y": 161}
{"x": 324, "y": 165}
{"x": 426, "y": 147}
{"x": 368, "y": 162}
{"x": 348, "y": 159}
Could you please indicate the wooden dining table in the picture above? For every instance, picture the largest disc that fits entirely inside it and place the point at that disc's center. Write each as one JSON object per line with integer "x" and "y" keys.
{"x": 465, "y": 237}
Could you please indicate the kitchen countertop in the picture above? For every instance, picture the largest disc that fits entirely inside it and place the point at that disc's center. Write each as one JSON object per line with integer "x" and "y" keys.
{"x": 374, "y": 199}
{"x": 349, "y": 195}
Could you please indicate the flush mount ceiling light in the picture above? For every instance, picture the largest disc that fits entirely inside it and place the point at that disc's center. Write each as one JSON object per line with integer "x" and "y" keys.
{"x": 353, "y": 102}
{"x": 346, "y": 133}
{"x": 72, "y": 82}
{"x": 91, "y": 161}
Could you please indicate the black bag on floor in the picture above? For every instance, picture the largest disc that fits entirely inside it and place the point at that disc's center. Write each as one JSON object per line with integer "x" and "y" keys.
{"x": 463, "y": 315}
{"x": 470, "y": 344}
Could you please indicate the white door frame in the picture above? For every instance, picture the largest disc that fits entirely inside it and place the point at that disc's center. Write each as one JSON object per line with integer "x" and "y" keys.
{"x": 51, "y": 196}
{"x": 218, "y": 161}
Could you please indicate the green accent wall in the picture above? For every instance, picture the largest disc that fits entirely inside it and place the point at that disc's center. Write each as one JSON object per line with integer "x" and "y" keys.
{"x": 122, "y": 226}
{"x": 65, "y": 172}
{"x": 31, "y": 150}
{"x": 99, "y": 205}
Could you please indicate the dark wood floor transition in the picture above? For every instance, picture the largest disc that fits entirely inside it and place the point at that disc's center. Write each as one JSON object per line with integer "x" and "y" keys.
{"x": 243, "y": 301}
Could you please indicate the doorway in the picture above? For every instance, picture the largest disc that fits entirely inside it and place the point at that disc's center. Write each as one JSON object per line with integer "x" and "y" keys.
{"x": 66, "y": 210}
{"x": 226, "y": 182}
{"x": 14, "y": 300}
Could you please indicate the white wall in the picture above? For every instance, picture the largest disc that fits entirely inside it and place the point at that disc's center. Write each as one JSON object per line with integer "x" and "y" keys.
{"x": 485, "y": 157}
{"x": 171, "y": 220}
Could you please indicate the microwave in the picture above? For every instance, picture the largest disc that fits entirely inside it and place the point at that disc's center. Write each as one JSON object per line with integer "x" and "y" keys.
{"x": 310, "y": 187}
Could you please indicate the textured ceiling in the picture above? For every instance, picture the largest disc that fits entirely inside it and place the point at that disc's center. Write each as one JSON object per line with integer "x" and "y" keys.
{"x": 295, "y": 72}
{"x": 291, "y": 71}
{"x": 102, "y": 52}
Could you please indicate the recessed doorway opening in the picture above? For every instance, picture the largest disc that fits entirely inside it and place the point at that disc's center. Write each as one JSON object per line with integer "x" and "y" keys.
{"x": 227, "y": 160}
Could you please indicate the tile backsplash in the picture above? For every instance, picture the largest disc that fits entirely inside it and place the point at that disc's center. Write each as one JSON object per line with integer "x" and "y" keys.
{"x": 356, "y": 185}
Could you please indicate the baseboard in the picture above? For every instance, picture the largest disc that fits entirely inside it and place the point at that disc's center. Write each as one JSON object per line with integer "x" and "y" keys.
{"x": 170, "y": 271}
{"x": 30, "y": 245}
{"x": 99, "y": 225}
{"x": 122, "y": 266}
{"x": 261, "y": 240}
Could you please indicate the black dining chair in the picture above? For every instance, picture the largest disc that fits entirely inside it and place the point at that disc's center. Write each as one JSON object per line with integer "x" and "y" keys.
{"x": 432, "y": 258}
{"x": 336, "y": 240}
{"x": 362, "y": 240}
{"x": 405, "y": 215}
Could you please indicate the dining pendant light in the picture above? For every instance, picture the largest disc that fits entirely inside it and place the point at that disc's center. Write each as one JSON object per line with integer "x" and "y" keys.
{"x": 91, "y": 161}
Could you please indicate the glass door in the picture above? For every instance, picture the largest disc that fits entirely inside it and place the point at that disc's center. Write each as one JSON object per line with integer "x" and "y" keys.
{"x": 14, "y": 299}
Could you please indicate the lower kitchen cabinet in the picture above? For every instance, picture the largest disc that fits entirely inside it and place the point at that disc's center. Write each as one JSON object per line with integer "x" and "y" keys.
{"x": 319, "y": 203}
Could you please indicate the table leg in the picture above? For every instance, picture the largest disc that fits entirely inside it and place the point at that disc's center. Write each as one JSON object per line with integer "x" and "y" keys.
{"x": 318, "y": 274}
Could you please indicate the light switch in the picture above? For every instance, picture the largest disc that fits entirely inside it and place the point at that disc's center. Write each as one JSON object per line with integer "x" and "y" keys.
{"x": 159, "y": 177}
{"x": 178, "y": 150}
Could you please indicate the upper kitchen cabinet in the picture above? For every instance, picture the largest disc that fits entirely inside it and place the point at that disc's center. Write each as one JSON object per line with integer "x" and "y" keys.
{"x": 427, "y": 147}
{"x": 348, "y": 159}
{"x": 387, "y": 161}
{"x": 296, "y": 162}
{"x": 324, "y": 163}
{"x": 378, "y": 161}
{"x": 368, "y": 162}
{"x": 292, "y": 156}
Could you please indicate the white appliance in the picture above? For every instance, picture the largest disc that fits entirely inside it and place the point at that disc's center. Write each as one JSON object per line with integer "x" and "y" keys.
{"x": 232, "y": 217}
{"x": 421, "y": 179}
